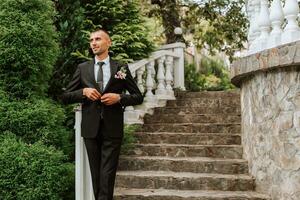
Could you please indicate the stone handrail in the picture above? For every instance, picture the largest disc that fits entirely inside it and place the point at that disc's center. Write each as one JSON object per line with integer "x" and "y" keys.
{"x": 267, "y": 26}
{"x": 167, "y": 67}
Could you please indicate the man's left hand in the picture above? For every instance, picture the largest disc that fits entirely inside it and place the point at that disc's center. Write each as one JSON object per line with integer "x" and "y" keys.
{"x": 110, "y": 98}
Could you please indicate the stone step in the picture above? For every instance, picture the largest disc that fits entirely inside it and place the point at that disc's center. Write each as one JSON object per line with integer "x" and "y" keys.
{"x": 198, "y": 110}
{"x": 163, "y": 194}
{"x": 192, "y": 128}
{"x": 183, "y": 181}
{"x": 180, "y": 150}
{"x": 187, "y": 138}
{"x": 200, "y": 102}
{"x": 186, "y": 164}
{"x": 192, "y": 118}
{"x": 208, "y": 94}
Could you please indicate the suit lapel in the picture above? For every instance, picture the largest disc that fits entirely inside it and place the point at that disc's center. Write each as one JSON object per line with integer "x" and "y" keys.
{"x": 113, "y": 71}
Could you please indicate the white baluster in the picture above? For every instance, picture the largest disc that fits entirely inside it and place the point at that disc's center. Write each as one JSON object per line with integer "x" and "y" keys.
{"x": 264, "y": 25}
{"x": 153, "y": 73}
{"x": 150, "y": 99}
{"x": 291, "y": 32}
{"x": 161, "y": 90}
{"x": 149, "y": 80}
{"x": 276, "y": 17}
{"x": 255, "y": 28}
{"x": 140, "y": 84}
{"x": 251, "y": 17}
{"x": 169, "y": 77}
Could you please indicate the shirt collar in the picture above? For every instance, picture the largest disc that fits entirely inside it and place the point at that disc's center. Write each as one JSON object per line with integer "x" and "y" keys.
{"x": 106, "y": 60}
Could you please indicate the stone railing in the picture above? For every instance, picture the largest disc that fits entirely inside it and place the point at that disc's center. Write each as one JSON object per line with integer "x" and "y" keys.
{"x": 167, "y": 67}
{"x": 272, "y": 25}
{"x": 169, "y": 73}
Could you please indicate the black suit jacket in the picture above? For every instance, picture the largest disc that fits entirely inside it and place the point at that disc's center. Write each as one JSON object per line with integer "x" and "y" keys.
{"x": 93, "y": 111}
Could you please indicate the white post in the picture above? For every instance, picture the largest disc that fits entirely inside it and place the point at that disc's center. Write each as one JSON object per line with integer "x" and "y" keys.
{"x": 276, "y": 17}
{"x": 149, "y": 81}
{"x": 177, "y": 48}
{"x": 179, "y": 68}
{"x": 251, "y": 17}
{"x": 169, "y": 77}
{"x": 83, "y": 180}
{"x": 140, "y": 84}
{"x": 291, "y": 32}
{"x": 161, "y": 89}
{"x": 153, "y": 73}
{"x": 264, "y": 25}
{"x": 256, "y": 32}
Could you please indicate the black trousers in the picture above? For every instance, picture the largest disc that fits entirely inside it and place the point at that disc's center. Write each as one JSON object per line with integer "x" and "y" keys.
{"x": 103, "y": 153}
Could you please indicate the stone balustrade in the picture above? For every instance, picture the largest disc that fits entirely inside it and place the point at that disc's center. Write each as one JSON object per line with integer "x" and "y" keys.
{"x": 156, "y": 77}
{"x": 272, "y": 25}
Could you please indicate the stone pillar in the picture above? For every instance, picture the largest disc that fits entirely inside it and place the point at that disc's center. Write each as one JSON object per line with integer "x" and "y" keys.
{"x": 270, "y": 99}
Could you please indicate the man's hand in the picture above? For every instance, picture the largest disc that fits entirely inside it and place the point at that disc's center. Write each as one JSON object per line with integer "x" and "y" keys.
{"x": 110, "y": 98}
{"x": 92, "y": 94}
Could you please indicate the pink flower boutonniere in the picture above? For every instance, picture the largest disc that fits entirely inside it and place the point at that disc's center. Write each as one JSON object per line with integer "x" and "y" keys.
{"x": 121, "y": 74}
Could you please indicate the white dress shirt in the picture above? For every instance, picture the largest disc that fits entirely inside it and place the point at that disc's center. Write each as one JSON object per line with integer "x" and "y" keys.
{"x": 105, "y": 68}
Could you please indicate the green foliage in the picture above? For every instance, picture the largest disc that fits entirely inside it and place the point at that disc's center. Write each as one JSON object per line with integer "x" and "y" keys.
{"x": 193, "y": 80}
{"x": 69, "y": 23}
{"x": 217, "y": 25}
{"x": 28, "y": 47}
{"x": 212, "y": 76}
{"x": 35, "y": 120}
{"x": 168, "y": 11}
{"x": 32, "y": 172}
{"x": 129, "y": 139}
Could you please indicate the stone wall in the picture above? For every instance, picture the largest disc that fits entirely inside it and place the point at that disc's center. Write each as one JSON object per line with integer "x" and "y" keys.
{"x": 270, "y": 99}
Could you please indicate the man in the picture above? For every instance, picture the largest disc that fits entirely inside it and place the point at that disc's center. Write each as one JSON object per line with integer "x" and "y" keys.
{"x": 99, "y": 85}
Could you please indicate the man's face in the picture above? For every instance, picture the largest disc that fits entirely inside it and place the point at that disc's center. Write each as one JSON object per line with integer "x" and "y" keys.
{"x": 99, "y": 42}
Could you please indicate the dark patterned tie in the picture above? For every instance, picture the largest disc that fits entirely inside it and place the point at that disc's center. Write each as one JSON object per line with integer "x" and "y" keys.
{"x": 100, "y": 76}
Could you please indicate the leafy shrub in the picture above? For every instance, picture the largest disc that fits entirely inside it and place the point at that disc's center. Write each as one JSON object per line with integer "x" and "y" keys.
{"x": 69, "y": 22}
{"x": 129, "y": 139}
{"x": 32, "y": 172}
{"x": 28, "y": 46}
{"x": 212, "y": 76}
{"x": 35, "y": 120}
{"x": 193, "y": 80}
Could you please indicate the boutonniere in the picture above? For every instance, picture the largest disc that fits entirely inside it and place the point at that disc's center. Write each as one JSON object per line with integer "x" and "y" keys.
{"x": 121, "y": 74}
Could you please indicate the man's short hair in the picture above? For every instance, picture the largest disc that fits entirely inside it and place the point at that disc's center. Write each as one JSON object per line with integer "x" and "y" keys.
{"x": 100, "y": 29}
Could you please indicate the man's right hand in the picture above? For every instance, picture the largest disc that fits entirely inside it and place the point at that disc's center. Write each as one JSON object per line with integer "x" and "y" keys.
{"x": 91, "y": 93}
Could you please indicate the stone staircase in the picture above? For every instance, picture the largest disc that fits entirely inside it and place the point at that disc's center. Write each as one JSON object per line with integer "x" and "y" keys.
{"x": 189, "y": 150}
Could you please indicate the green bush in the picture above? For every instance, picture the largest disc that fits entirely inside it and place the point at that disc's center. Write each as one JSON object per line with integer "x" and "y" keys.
{"x": 69, "y": 22}
{"x": 35, "y": 120}
{"x": 32, "y": 172}
{"x": 129, "y": 139}
{"x": 28, "y": 46}
{"x": 213, "y": 75}
{"x": 193, "y": 80}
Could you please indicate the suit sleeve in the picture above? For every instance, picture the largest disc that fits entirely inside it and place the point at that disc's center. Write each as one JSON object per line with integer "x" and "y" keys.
{"x": 74, "y": 91}
{"x": 134, "y": 97}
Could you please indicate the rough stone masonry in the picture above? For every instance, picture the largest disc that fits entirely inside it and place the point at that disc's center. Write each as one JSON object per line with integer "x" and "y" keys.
{"x": 270, "y": 101}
